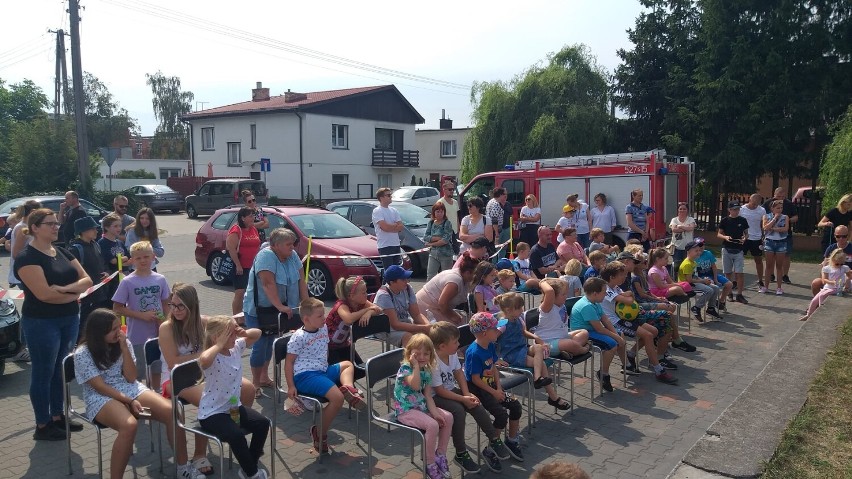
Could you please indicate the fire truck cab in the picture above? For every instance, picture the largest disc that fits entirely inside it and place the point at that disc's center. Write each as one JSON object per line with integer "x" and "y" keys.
{"x": 666, "y": 180}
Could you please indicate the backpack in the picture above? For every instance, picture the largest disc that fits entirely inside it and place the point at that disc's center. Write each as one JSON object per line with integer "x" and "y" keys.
{"x": 81, "y": 256}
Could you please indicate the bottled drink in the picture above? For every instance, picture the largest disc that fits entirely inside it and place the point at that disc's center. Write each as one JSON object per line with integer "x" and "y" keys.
{"x": 234, "y": 409}
{"x": 840, "y": 283}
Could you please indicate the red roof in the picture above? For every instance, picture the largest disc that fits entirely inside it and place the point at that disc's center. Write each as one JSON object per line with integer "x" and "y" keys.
{"x": 279, "y": 103}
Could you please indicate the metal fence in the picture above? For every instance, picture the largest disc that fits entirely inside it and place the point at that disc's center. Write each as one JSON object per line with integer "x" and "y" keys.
{"x": 709, "y": 210}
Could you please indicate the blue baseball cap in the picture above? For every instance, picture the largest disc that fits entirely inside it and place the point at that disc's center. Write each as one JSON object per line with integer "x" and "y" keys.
{"x": 395, "y": 272}
{"x": 505, "y": 263}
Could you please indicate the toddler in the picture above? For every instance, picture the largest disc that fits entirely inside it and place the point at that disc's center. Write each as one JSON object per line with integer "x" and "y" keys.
{"x": 834, "y": 275}
{"x": 484, "y": 277}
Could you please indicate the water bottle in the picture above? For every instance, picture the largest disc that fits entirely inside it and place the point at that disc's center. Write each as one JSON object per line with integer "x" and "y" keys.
{"x": 234, "y": 409}
{"x": 840, "y": 284}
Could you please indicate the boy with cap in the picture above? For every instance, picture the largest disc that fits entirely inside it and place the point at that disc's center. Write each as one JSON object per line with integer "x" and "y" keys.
{"x": 88, "y": 253}
{"x": 733, "y": 231}
{"x": 480, "y": 369}
{"x": 710, "y": 292}
{"x": 566, "y": 221}
{"x": 399, "y": 303}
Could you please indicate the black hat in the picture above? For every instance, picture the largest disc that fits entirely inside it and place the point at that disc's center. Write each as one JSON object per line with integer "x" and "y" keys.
{"x": 84, "y": 224}
{"x": 732, "y": 205}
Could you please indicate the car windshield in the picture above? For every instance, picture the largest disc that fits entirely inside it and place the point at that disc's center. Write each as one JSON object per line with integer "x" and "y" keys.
{"x": 403, "y": 194}
{"x": 412, "y": 216}
{"x": 326, "y": 226}
{"x": 161, "y": 189}
{"x": 10, "y": 205}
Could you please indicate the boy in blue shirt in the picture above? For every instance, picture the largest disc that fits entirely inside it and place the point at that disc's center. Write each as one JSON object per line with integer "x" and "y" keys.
{"x": 480, "y": 370}
{"x": 598, "y": 261}
{"x": 588, "y": 314}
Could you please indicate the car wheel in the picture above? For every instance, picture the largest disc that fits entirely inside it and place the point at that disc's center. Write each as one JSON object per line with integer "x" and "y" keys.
{"x": 175, "y": 211}
{"x": 416, "y": 266}
{"x": 319, "y": 281}
{"x": 213, "y": 270}
{"x": 190, "y": 211}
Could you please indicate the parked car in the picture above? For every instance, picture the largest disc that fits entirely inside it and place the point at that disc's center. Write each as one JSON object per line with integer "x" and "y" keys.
{"x": 51, "y": 202}
{"x": 10, "y": 332}
{"x": 332, "y": 235}
{"x": 410, "y": 238}
{"x": 218, "y": 194}
{"x": 423, "y": 196}
{"x": 156, "y": 197}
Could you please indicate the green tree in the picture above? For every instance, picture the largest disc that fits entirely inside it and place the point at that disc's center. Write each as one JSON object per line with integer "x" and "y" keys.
{"x": 19, "y": 102}
{"x": 550, "y": 110}
{"x": 37, "y": 147}
{"x": 107, "y": 123}
{"x": 171, "y": 139}
{"x": 836, "y": 171}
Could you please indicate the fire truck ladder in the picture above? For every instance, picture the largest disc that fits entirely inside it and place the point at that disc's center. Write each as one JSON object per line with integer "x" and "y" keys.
{"x": 593, "y": 160}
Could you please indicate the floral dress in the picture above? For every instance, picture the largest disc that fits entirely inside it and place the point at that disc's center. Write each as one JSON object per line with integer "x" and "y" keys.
{"x": 86, "y": 369}
{"x": 406, "y": 398}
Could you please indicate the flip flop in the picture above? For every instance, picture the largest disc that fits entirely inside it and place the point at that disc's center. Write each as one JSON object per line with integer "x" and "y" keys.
{"x": 267, "y": 384}
{"x": 203, "y": 466}
{"x": 258, "y": 393}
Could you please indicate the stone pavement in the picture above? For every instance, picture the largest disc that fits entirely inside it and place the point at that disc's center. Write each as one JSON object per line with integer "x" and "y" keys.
{"x": 642, "y": 431}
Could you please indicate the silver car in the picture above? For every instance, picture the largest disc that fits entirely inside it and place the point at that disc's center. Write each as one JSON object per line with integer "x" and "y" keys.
{"x": 156, "y": 197}
{"x": 415, "y": 219}
{"x": 422, "y": 196}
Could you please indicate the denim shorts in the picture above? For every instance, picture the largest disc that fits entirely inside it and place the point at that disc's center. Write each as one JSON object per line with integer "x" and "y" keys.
{"x": 602, "y": 341}
{"x": 775, "y": 246}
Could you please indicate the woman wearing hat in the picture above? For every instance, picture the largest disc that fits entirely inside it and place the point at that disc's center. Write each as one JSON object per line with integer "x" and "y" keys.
{"x": 85, "y": 248}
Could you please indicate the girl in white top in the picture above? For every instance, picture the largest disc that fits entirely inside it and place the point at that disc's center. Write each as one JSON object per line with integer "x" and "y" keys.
{"x": 835, "y": 275}
{"x": 106, "y": 368}
{"x": 474, "y": 225}
{"x": 529, "y": 220}
{"x": 682, "y": 227}
{"x": 181, "y": 339}
{"x": 553, "y": 326}
{"x": 220, "y": 411}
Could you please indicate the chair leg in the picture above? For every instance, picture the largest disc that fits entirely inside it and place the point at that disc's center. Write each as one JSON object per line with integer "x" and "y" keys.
{"x": 572, "y": 388}
{"x": 100, "y": 453}
{"x": 319, "y": 431}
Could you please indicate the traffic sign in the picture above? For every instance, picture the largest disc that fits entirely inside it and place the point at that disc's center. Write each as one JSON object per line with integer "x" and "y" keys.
{"x": 265, "y": 164}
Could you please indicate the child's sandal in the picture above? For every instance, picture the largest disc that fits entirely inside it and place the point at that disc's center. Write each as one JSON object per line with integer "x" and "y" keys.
{"x": 542, "y": 382}
{"x": 559, "y": 403}
{"x": 353, "y": 397}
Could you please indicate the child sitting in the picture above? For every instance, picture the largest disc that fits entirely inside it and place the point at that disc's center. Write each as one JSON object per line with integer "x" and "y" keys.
{"x": 710, "y": 292}
{"x": 705, "y": 267}
{"x": 452, "y": 395}
{"x": 553, "y": 322}
{"x": 598, "y": 261}
{"x": 307, "y": 371}
{"x": 484, "y": 277}
{"x": 220, "y": 410}
{"x": 480, "y": 369}
{"x": 597, "y": 236}
{"x": 566, "y": 221}
{"x": 649, "y": 301}
{"x": 523, "y": 270}
{"x": 413, "y": 405}
{"x": 659, "y": 279}
{"x": 506, "y": 279}
{"x": 588, "y": 315}
{"x": 572, "y": 276}
{"x": 515, "y": 350}
{"x": 520, "y": 282}
{"x": 834, "y": 275}
{"x": 352, "y": 306}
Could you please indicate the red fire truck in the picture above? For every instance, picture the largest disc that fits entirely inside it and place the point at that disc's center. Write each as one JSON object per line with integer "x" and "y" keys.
{"x": 665, "y": 180}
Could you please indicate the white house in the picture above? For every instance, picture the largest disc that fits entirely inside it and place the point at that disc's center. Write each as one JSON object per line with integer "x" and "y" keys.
{"x": 441, "y": 150}
{"x": 332, "y": 144}
{"x": 162, "y": 168}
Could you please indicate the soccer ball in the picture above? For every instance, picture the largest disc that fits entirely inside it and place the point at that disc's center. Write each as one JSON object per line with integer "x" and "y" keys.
{"x": 627, "y": 312}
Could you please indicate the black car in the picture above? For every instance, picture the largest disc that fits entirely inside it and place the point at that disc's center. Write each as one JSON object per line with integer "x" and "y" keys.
{"x": 10, "y": 332}
{"x": 53, "y": 203}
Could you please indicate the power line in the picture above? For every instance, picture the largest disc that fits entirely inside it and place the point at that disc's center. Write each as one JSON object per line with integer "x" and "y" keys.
{"x": 229, "y": 31}
{"x": 23, "y": 46}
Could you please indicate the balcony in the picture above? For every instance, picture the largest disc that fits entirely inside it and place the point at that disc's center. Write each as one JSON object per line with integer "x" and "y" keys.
{"x": 396, "y": 159}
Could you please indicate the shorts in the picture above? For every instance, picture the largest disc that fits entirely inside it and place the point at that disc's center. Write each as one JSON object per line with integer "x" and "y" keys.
{"x": 241, "y": 280}
{"x": 732, "y": 262}
{"x": 789, "y": 244}
{"x": 753, "y": 247}
{"x": 317, "y": 383}
{"x": 602, "y": 340}
{"x": 627, "y": 328}
{"x": 519, "y": 358}
{"x": 775, "y": 246}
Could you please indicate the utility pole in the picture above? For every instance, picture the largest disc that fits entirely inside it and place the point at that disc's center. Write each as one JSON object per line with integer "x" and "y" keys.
{"x": 62, "y": 95}
{"x": 79, "y": 108}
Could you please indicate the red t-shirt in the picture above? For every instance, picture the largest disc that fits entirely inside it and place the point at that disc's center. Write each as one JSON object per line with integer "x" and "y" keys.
{"x": 249, "y": 244}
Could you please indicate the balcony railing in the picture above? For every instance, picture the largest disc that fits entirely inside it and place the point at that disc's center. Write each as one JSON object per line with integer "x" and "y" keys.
{"x": 396, "y": 159}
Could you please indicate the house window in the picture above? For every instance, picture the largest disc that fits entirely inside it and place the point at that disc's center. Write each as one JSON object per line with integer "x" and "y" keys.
{"x": 339, "y": 182}
{"x": 448, "y": 148}
{"x": 138, "y": 147}
{"x": 387, "y": 139}
{"x": 169, "y": 173}
{"x": 207, "y": 138}
{"x": 234, "y": 158}
{"x": 385, "y": 180}
{"x": 340, "y": 136}
{"x": 253, "y": 129}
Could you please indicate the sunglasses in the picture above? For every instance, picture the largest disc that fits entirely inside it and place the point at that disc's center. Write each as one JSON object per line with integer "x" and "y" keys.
{"x": 251, "y": 201}
{"x": 177, "y": 307}
{"x": 840, "y": 236}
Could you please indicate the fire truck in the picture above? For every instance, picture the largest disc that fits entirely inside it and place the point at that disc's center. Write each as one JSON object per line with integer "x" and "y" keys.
{"x": 666, "y": 180}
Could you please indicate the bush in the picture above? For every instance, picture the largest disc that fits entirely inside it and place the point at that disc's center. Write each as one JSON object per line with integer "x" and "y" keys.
{"x": 140, "y": 174}
{"x": 836, "y": 170}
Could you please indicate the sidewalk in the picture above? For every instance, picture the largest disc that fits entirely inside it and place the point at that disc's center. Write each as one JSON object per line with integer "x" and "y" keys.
{"x": 643, "y": 431}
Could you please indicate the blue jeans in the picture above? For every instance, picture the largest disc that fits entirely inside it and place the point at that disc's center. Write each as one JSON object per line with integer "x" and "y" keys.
{"x": 261, "y": 350}
{"x": 583, "y": 239}
{"x": 388, "y": 261}
{"x": 50, "y": 340}
{"x": 505, "y": 234}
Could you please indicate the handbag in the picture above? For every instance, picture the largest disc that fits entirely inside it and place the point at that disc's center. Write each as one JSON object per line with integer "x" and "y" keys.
{"x": 268, "y": 317}
{"x": 227, "y": 268}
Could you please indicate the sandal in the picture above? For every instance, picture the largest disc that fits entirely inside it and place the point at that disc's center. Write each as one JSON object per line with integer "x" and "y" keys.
{"x": 353, "y": 397}
{"x": 203, "y": 466}
{"x": 267, "y": 384}
{"x": 542, "y": 382}
{"x": 559, "y": 403}
{"x": 258, "y": 392}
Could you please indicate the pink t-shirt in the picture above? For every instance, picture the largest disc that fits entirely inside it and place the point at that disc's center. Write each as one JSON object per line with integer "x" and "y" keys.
{"x": 663, "y": 273}
{"x": 572, "y": 251}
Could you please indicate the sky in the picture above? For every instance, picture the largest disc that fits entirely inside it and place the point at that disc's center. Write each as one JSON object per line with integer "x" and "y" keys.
{"x": 220, "y": 50}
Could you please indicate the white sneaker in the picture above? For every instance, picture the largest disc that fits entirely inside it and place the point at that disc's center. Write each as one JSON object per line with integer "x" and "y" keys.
{"x": 22, "y": 356}
{"x": 188, "y": 471}
{"x": 261, "y": 474}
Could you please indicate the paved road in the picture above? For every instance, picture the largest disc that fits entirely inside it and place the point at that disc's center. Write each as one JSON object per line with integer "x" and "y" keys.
{"x": 641, "y": 431}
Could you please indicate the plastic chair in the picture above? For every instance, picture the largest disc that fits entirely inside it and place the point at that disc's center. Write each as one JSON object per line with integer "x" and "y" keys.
{"x": 380, "y": 368}
{"x": 186, "y": 375}
{"x": 68, "y": 375}
{"x": 151, "y": 357}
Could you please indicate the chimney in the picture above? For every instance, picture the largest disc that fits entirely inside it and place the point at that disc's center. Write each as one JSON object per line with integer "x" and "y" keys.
{"x": 291, "y": 96}
{"x": 260, "y": 93}
{"x": 445, "y": 123}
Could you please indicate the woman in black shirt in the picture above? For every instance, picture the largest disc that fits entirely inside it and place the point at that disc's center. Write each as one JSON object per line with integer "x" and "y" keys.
{"x": 841, "y": 215}
{"x": 52, "y": 281}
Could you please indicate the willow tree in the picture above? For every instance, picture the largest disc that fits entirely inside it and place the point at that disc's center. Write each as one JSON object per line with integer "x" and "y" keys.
{"x": 171, "y": 139}
{"x": 836, "y": 171}
{"x": 554, "y": 109}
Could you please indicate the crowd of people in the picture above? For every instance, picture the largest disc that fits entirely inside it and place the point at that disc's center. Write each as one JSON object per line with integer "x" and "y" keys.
{"x": 590, "y": 293}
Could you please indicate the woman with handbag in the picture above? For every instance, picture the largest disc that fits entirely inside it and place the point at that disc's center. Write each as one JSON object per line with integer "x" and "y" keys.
{"x": 682, "y": 227}
{"x": 275, "y": 281}
{"x": 241, "y": 246}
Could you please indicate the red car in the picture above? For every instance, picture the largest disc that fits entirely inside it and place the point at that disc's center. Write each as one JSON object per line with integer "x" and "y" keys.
{"x": 332, "y": 234}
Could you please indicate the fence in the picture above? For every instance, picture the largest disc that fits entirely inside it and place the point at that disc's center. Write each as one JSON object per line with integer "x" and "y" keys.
{"x": 709, "y": 211}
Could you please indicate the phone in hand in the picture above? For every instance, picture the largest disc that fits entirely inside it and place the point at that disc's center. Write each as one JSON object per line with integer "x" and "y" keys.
{"x": 146, "y": 412}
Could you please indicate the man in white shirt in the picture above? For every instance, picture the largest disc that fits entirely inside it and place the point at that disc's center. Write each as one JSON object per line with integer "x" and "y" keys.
{"x": 753, "y": 212}
{"x": 450, "y": 204}
{"x": 387, "y": 224}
